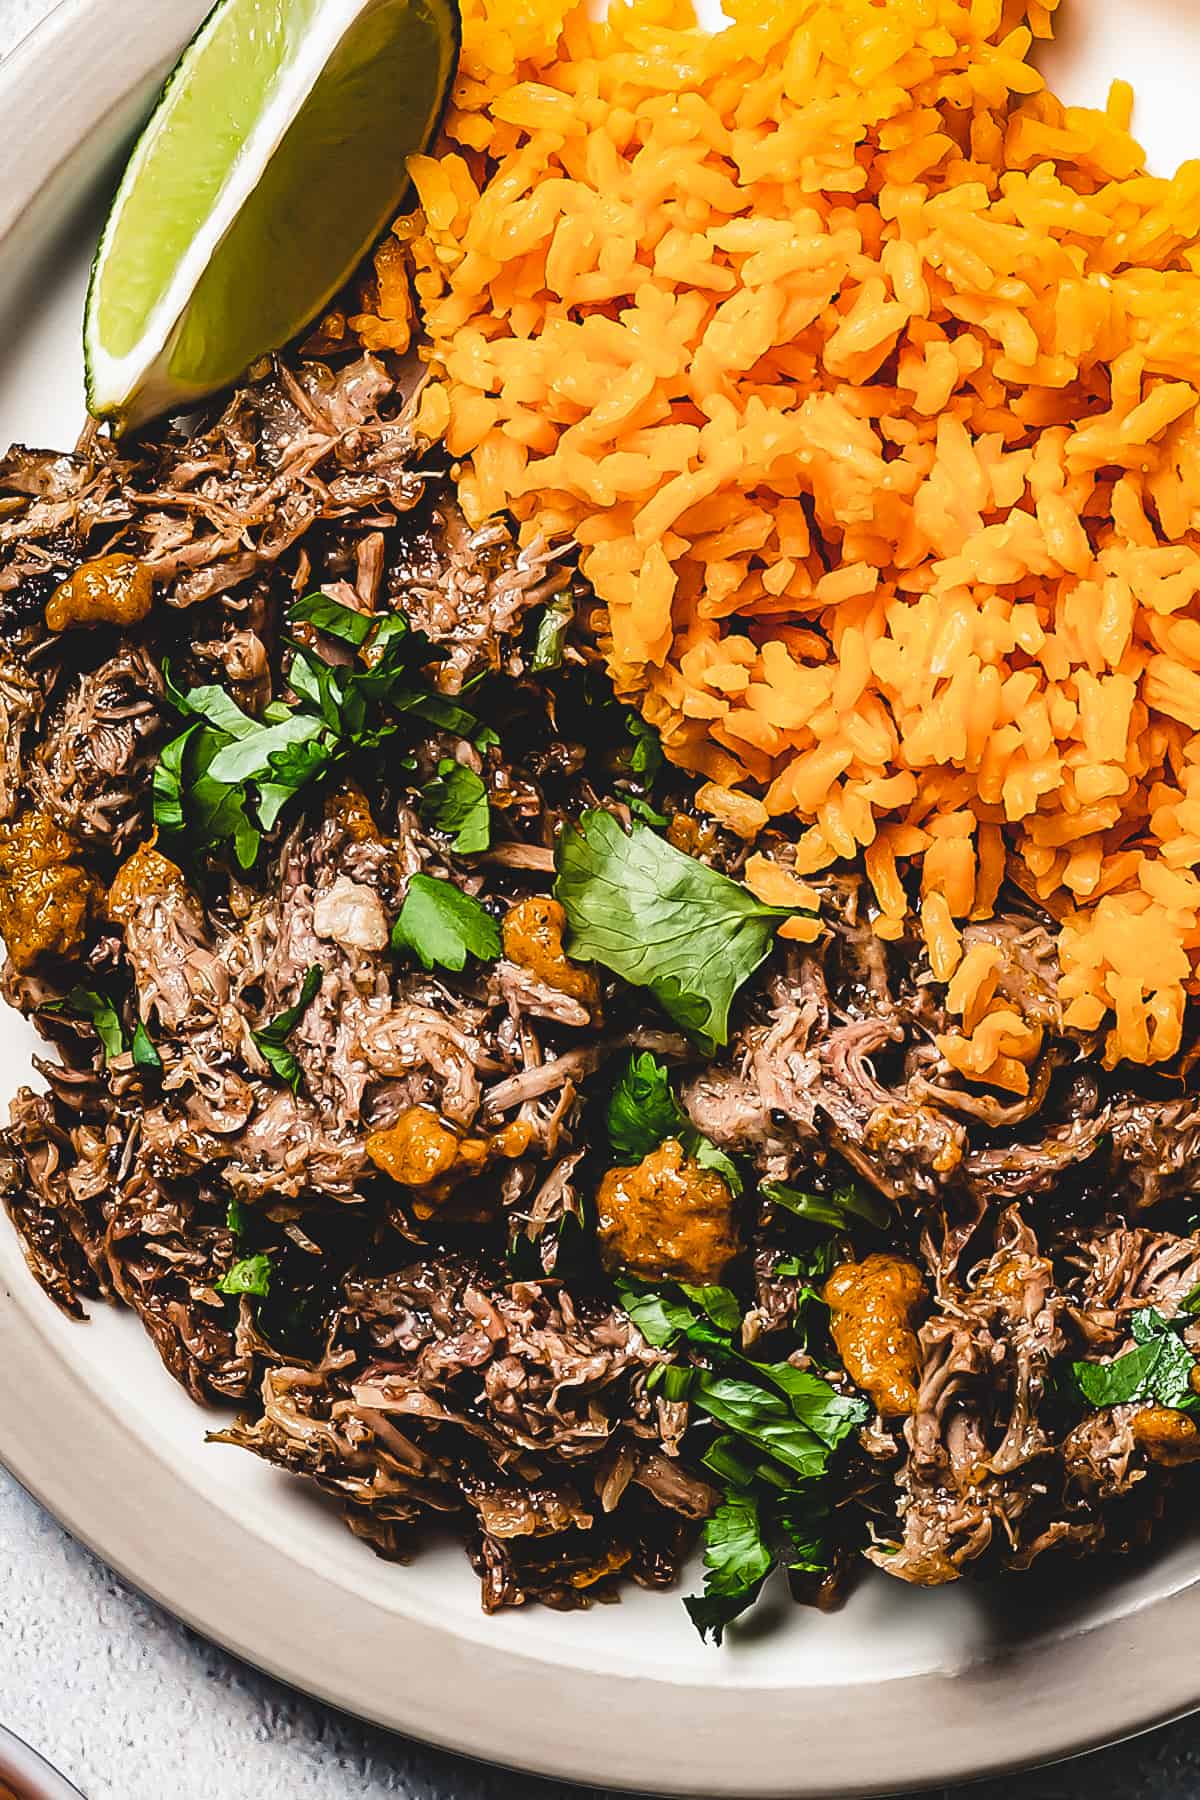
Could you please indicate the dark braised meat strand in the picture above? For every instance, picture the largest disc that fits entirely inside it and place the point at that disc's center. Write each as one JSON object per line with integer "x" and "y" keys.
{"x": 384, "y": 1155}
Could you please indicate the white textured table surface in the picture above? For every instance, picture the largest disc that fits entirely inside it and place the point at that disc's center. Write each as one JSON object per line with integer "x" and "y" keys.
{"x": 132, "y": 1706}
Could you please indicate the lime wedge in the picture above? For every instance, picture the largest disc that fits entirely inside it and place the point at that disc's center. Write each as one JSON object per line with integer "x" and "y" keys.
{"x": 274, "y": 159}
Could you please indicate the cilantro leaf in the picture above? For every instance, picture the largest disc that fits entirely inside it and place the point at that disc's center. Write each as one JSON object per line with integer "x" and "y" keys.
{"x": 167, "y": 783}
{"x": 552, "y": 630}
{"x": 145, "y": 1054}
{"x": 235, "y": 1217}
{"x": 218, "y": 708}
{"x": 257, "y": 757}
{"x": 86, "y": 1003}
{"x": 271, "y": 1039}
{"x": 442, "y": 925}
{"x": 661, "y": 920}
{"x": 783, "y": 1427}
{"x": 643, "y": 1111}
{"x": 456, "y": 802}
{"x": 648, "y": 815}
{"x": 661, "y": 1318}
{"x": 737, "y": 1561}
{"x": 250, "y": 1276}
{"x": 228, "y": 777}
{"x": 803, "y": 1519}
{"x": 839, "y": 1210}
{"x": 645, "y": 759}
{"x": 765, "y": 1420}
{"x": 829, "y": 1415}
{"x": 718, "y": 1303}
{"x": 1158, "y": 1368}
{"x": 709, "y": 1156}
{"x": 336, "y": 620}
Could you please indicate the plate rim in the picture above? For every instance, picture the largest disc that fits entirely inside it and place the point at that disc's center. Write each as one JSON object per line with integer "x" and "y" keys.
{"x": 39, "y": 1780}
{"x": 1057, "y": 1698}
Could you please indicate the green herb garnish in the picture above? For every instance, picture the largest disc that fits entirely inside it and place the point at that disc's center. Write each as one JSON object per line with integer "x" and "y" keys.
{"x": 145, "y": 1055}
{"x": 443, "y": 926}
{"x": 228, "y": 777}
{"x": 102, "y": 1013}
{"x": 645, "y": 759}
{"x": 647, "y": 814}
{"x": 644, "y": 1111}
{"x": 1158, "y": 1368}
{"x": 456, "y": 802}
{"x": 86, "y": 1003}
{"x": 661, "y": 920}
{"x": 272, "y": 1039}
{"x": 840, "y": 1211}
{"x": 552, "y": 629}
{"x": 737, "y": 1561}
{"x": 782, "y": 1428}
{"x": 250, "y": 1276}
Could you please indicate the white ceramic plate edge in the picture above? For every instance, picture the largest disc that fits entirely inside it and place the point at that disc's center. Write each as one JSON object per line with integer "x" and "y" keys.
{"x": 28, "y": 1774}
{"x": 670, "y": 1731}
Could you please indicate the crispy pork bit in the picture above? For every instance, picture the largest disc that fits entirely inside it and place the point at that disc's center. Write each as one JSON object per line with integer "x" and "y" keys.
{"x": 667, "y": 1218}
{"x": 351, "y": 916}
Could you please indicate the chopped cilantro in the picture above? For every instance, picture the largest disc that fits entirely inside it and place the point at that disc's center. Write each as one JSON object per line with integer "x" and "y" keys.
{"x": 167, "y": 784}
{"x": 803, "y": 1518}
{"x": 839, "y": 1211}
{"x": 336, "y": 620}
{"x": 235, "y": 1218}
{"x": 87, "y": 1003}
{"x": 250, "y": 1276}
{"x": 1158, "y": 1368}
{"x": 643, "y": 1109}
{"x": 771, "y": 1423}
{"x": 272, "y": 1039}
{"x": 813, "y": 1270}
{"x": 737, "y": 1561}
{"x": 145, "y": 1054}
{"x": 456, "y": 802}
{"x": 647, "y": 814}
{"x": 443, "y": 926}
{"x": 717, "y": 1303}
{"x": 782, "y": 1428}
{"x": 661, "y": 920}
{"x": 552, "y": 629}
{"x": 645, "y": 759}
{"x": 228, "y": 777}
{"x": 99, "y": 1010}
{"x": 826, "y": 1413}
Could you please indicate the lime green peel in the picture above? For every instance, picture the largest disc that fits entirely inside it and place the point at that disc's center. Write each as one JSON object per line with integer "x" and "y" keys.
{"x": 273, "y": 161}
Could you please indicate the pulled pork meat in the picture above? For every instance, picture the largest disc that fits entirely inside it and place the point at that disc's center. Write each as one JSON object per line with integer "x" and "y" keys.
{"x": 366, "y": 1196}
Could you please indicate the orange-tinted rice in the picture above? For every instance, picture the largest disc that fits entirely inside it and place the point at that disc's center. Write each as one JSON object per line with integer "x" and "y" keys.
{"x": 866, "y": 376}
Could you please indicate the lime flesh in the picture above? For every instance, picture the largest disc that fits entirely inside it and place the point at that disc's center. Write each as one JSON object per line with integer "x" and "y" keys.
{"x": 275, "y": 158}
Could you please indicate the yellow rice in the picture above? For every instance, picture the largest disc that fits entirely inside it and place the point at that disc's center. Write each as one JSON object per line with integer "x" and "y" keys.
{"x": 866, "y": 375}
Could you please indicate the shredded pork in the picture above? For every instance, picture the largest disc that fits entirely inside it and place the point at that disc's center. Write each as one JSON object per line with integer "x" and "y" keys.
{"x": 440, "y": 1339}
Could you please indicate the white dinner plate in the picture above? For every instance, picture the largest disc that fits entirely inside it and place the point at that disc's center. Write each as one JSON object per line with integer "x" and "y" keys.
{"x": 901, "y": 1688}
{"x": 24, "y": 1775}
